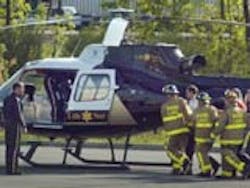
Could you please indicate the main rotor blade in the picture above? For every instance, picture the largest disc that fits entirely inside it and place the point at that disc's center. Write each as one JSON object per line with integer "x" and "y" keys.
{"x": 47, "y": 22}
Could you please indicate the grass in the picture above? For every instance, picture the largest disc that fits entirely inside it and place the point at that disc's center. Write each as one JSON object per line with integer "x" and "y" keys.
{"x": 145, "y": 138}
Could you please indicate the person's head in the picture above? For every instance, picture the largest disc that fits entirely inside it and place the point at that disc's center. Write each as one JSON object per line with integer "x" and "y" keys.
{"x": 231, "y": 97}
{"x": 204, "y": 98}
{"x": 191, "y": 92}
{"x": 171, "y": 90}
{"x": 18, "y": 89}
{"x": 238, "y": 93}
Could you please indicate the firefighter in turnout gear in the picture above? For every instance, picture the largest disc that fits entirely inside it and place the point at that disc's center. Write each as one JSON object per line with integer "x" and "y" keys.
{"x": 204, "y": 120}
{"x": 231, "y": 130}
{"x": 175, "y": 115}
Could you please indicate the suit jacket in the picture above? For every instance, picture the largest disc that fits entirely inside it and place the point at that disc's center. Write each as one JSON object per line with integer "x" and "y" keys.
{"x": 12, "y": 111}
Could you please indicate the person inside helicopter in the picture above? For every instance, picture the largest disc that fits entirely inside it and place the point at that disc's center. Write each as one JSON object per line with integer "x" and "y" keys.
{"x": 29, "y": 104}
{"x": 58, "y": 88}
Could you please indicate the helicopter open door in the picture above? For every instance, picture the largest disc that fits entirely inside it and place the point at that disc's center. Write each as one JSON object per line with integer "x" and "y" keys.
{"x": 92, "y": 96}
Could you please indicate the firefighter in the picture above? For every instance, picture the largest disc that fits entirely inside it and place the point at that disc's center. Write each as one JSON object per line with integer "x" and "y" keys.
{"x": 231, "y": 130}
{"x": 204, "y": 120}
{"x": 175, "y": 115}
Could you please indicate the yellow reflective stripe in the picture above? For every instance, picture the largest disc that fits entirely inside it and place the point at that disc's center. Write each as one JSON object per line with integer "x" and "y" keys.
{"x": 217, "y": 124}
{"x": 212, "y": 135}
{"x": 231, "y": 142}
{"x": 226, "y": 173}
{"x": 172, "y": 118}
{"x": 241, "y": 167}
{"x": 204, "y": 125}
{"x": 176, "y": 160}
{"x": 235, "y": 126}
{"x": 235, "y": 164}
{"x": 202, "y": 140}
{"x": 204, "y": 168}
{"x": 176, "y": 166}
{"x": 183, "y": 158}
{"x": 173, "y": 157}
{"x": 246, "y": 140}
{"x": 177, "y": 131}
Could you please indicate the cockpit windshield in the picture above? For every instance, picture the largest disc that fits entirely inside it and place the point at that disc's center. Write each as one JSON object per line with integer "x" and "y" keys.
{"x": 7, "y": 86}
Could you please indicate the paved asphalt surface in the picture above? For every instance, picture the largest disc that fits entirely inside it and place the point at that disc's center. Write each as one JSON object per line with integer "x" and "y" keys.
{"x": 104, "y": 176}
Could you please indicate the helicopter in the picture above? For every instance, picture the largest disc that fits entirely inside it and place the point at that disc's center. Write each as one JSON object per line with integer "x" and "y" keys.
{"x": 113, "y": 89}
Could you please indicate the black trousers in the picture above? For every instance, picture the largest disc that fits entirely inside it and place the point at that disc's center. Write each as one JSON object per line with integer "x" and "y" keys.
{"x": 12, "y": 141}
{"x": 190, "y": 145}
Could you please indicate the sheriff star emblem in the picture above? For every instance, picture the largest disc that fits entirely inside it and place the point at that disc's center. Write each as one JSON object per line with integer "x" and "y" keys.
{"x": 87, "y": 116}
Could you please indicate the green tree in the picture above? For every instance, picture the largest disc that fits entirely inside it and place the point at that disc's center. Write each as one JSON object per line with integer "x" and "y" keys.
{"x": 32, "y": 42}
{"x": 18, "y": 10}
{"x": 89, "y": 35}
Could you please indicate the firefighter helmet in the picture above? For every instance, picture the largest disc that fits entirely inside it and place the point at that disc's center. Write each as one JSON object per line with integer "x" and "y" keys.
{"x": 170, "y": 89}
{"x": 204, "y": 96}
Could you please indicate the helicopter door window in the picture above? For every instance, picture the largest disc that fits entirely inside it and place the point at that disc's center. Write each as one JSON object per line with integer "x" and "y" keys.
{"x": 93, "y": 90}
{"x": 93, "y": 87}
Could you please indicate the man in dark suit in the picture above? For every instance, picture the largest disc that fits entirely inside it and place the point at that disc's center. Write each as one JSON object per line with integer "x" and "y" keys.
{"x": 14, "y": 121}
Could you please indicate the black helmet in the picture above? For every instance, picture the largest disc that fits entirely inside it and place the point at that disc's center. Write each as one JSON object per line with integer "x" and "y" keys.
{"x": 170, "y": 89}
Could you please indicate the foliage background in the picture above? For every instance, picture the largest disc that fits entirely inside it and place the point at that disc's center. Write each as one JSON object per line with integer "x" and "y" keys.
{"x": 224, "y": 45}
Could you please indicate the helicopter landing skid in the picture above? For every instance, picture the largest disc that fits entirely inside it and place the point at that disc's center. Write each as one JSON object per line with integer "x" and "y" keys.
{"x": 76, "y": 153}
{"x": 27, "y": 157}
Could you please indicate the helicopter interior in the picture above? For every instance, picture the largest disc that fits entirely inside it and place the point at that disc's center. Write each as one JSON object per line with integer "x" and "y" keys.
{"x": 48, "y": 92}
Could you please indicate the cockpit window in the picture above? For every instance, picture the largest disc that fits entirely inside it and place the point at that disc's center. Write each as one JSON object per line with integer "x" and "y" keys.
{"x": 32, "y": 77}
{"x": 92, "y": 87}
{"x": 6, "y": 88}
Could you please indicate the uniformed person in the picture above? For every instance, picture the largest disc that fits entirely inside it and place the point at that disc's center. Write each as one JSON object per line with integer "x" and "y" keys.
{"x": 14, "y": 121}
{"x": 231, "y": 129}
{"x": 204, "y": 120}
{"x": 192, "y": 92}
{"x": 175, "y": 114}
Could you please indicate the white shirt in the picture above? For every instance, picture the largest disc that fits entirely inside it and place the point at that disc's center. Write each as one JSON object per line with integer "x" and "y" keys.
{"x": 193, "y": 103}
